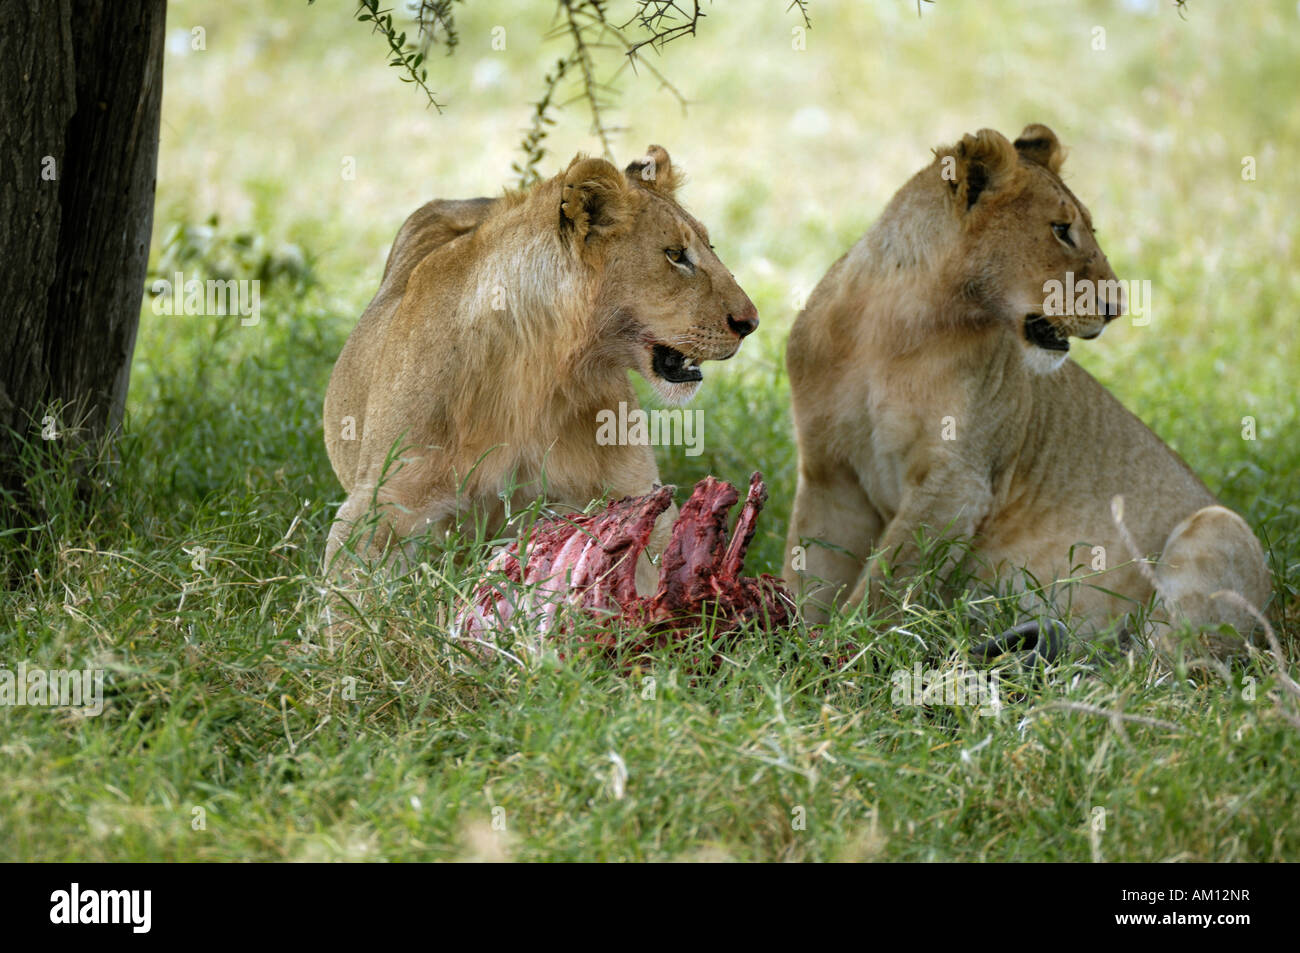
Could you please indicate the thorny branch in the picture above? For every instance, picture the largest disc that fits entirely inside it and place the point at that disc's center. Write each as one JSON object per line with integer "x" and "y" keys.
{"x": 585, "y": 26}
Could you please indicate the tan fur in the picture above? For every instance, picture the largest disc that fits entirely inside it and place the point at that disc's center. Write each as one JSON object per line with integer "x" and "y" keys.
{"x": 500, "y": 330}
{"x": 919, "y": 332}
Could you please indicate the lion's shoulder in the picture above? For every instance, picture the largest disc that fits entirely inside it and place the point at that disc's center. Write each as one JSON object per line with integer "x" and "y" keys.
{"x": 431, "y": 226}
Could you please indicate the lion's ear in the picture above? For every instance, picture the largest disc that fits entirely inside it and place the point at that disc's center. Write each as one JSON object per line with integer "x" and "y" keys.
{"x": 594, "y": 201}
{"x": 654, "y": 171}
{"x": 978, "y": 165}
{"x": 1039, "y": 144}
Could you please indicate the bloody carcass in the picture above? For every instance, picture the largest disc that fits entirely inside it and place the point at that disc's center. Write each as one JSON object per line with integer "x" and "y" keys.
{"x": 587, "y": 565}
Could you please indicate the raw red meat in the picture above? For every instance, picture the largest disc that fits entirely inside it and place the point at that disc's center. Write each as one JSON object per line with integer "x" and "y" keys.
{"x": 588, "y": 563}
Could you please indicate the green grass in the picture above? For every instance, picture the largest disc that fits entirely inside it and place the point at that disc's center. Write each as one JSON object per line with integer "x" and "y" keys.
{"x": 224, "y": 696}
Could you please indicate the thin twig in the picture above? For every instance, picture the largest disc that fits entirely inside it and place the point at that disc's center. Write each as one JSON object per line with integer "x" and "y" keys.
{"x": 581, "y": 55}
{"x": 655, "y": 23}
{"x": 1104, "y": 713}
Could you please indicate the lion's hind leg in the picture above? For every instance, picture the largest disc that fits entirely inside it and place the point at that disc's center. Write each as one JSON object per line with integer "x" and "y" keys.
{"x": 1211, "y": 551}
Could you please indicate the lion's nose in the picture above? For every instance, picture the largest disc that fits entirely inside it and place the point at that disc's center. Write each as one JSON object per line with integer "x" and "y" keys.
{"x": 1111, "y": 309}
{"x": 746, "y": 323}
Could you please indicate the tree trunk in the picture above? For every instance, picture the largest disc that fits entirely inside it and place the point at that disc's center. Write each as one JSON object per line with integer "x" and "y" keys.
{"x": 80, "y": 98}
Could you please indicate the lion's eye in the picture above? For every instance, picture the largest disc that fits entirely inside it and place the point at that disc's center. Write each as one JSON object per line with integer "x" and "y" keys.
{"x": 1062, "y": 231}
{"x": 676, "y": 255}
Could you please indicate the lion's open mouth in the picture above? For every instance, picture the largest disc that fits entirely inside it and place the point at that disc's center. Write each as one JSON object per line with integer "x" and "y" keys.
{"x": 1040, "y": 332}
{"x": 674, "y": 366}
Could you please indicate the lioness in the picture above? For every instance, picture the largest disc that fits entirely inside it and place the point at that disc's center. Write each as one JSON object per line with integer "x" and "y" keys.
{"x": 932, "y": 388}
{"x": 502, "y": 327}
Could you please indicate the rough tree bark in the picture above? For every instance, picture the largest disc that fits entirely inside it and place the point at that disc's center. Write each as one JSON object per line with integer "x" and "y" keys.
{"x": 80, "y": 98}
